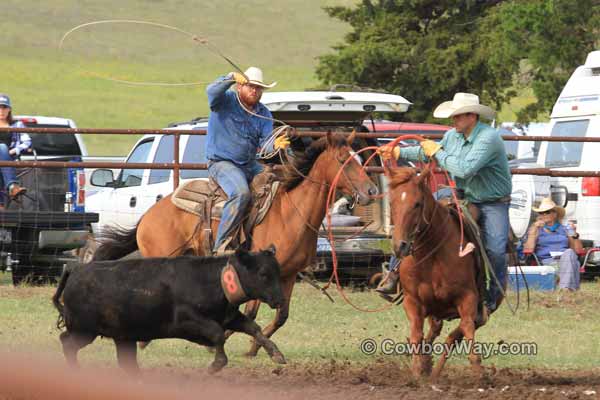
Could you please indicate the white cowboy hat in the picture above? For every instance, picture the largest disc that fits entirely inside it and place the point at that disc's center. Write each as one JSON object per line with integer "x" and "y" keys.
{"x": 547, "y": 204}
{"x": 463, "y": 103}
{"x": 255, "y": 77}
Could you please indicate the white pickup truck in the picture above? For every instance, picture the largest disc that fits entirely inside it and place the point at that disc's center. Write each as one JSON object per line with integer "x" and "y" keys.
{"x": 122, "y": 200}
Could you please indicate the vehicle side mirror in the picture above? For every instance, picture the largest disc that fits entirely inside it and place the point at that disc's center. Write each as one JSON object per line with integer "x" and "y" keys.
{"x": 102, "y": 178}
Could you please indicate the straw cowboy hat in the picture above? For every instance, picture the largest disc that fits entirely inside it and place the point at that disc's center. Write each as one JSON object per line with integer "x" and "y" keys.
{"x": 255, "y": 77}
{"x": 463, "y": 103}
{"x": 547, "y": 204}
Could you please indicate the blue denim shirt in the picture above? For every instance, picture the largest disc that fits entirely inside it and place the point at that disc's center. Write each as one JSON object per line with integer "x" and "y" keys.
{"x": 478, "y": 164}
{"x": 234, "y": 134}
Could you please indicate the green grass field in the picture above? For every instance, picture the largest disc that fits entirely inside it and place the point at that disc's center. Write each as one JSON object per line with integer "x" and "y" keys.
{"x": 563, "y": 328}
{"x": 284, "y": 38}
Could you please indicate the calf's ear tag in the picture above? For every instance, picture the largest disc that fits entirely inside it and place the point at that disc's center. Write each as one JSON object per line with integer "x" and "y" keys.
{"x": 230, "y": 282}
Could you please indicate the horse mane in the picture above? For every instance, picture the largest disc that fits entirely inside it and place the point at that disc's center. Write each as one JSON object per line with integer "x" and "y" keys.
{"x": 295, "y": 174}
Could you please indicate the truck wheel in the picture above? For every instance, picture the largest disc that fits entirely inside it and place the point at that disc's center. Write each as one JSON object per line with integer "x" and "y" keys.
{"x": 86, "y": 253}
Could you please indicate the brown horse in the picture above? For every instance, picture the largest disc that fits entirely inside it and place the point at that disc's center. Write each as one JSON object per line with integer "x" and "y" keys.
{"x": 436, "y": 281}
{"x": 291, "y": 224}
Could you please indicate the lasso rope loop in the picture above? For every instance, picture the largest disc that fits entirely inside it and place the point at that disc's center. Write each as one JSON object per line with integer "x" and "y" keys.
{"x": 284, "y": 129}
{"x": 194, "y": 37}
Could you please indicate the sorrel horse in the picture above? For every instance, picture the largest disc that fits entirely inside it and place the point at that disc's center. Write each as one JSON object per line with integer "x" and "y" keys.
{"x": 291, "y": 224}
{"x": 437, "y": 282}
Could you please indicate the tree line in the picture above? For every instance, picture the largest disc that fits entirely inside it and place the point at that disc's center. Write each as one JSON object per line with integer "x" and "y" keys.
{"x": 427, "y": 50}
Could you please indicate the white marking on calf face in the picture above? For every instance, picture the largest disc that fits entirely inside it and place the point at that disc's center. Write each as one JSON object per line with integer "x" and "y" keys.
{"x": 403, "y": 196}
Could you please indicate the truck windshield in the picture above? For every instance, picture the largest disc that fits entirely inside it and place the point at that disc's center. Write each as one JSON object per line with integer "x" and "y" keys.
{"x": 566, "y": 154}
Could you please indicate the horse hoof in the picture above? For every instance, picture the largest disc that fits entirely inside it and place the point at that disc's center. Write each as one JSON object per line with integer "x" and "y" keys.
{"x": 278, "y": 358}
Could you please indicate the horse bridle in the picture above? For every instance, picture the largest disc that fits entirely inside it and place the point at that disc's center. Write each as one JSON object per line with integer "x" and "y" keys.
{"x": 418, "y": 233}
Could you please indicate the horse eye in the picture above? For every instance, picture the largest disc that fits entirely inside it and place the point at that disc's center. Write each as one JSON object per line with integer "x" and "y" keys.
{"x": 418, "y": 204}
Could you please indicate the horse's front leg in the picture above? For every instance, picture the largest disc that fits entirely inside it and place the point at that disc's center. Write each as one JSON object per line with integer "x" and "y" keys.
{"x": 287, "y": 286}
{"x": 468, "y": 312}
{"x": 435, "y": 328}
{"x": 416, "y": 318}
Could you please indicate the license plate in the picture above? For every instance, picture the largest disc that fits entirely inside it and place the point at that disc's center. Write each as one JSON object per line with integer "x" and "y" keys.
{"x": 5, "y": 236}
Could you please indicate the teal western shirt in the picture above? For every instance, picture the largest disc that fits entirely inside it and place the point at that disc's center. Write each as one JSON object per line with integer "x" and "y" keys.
{"x": 478, "y": 165}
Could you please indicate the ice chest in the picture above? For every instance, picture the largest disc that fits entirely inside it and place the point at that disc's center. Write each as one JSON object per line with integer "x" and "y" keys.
{"x": 541, "y": 277}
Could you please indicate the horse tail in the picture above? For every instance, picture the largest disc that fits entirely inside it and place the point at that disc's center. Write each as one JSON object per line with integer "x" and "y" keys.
{"x": 116, "y": 242}
{"x": 60, "y": 323}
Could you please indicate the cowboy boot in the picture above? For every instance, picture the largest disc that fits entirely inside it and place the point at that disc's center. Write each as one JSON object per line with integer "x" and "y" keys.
{"x": 15, "y": 191}
{"x": 390, "y": 283}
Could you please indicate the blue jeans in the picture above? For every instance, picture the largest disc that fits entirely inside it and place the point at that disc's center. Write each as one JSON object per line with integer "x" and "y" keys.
{"x": 9, "y": 174}
{"x": 494, "y": 225}
{"x": 234, "y": 180}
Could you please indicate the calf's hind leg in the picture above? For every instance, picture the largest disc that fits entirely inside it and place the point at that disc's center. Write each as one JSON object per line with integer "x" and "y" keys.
{"x": 72, "y": 343}
{"x": 127, "y": 356}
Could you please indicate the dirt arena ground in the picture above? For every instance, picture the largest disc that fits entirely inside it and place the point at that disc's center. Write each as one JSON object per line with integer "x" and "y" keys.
{"x": 22, "y": 379}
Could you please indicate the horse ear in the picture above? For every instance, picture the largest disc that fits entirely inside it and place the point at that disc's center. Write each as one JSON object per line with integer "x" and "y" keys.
{"x": 351, "y": 137}
{"x": 329, "y": 138}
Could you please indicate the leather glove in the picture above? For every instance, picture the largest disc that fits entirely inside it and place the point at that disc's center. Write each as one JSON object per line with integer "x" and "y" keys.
{"x": 239, "y": 78}
{"x": 430, "y": 147}
{"x": 387, "y": 152}
{"x": 281, "y": 142}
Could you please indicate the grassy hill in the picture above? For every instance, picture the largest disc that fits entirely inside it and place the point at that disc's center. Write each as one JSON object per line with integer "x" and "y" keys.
{"x": 284, "y": 38}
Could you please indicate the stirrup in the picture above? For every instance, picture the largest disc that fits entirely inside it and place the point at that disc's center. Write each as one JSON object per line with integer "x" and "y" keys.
{"x": 395, "y": 298}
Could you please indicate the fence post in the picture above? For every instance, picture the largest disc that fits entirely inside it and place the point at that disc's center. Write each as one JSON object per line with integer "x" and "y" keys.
{"x": 176, "y": 163}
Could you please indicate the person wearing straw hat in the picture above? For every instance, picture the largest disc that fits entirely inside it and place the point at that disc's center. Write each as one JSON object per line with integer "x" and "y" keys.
{"x": 555, "y": 244}
{"x": 11, "y": 146}
{"x": 238, "y": 125}
{"x": 474, "y": 154}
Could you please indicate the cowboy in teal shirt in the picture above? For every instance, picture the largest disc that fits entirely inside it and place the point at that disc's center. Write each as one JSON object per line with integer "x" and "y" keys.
{"x": 474, "y": 154}
{"x": 478, "y": 163}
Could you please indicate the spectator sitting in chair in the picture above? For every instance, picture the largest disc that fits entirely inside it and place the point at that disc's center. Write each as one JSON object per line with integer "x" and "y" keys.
{"x": 11, "y": 146}
{"x": 547, "y": 236}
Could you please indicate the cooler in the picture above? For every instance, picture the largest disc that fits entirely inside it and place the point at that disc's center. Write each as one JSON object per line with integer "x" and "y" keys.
{"x": 541, "y": 277}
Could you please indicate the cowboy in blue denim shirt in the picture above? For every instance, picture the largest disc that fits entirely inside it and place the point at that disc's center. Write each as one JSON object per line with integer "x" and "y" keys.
{"x": 238, "y": 126}
{"x": 474, "y": 154}
{"x": 11, "y": 147}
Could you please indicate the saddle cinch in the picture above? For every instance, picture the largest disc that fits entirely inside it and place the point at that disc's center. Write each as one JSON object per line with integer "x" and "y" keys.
{"x": 206, "y": 199}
